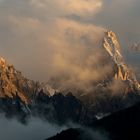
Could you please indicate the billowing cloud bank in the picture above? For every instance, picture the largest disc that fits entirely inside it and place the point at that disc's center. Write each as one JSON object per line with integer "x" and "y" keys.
{"x": 51, "y": 38}
{"x": 48, "y": 36}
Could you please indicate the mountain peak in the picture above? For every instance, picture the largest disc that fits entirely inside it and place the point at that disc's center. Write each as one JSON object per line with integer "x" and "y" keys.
{"x": 112, "y": 47}
{"x": 2, "y": 62}
{"x": 13, "y": 83}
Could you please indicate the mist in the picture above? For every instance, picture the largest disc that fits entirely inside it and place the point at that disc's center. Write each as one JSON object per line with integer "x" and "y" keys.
{"x": 36, "y": 129}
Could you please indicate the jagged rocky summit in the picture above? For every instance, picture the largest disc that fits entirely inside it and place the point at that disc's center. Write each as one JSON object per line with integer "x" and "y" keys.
{"x": 13, "y": 83}
{"x": 122, "y": 72}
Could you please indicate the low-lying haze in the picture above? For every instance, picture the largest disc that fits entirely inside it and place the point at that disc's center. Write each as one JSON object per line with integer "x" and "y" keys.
{"x": 36, "y": 129}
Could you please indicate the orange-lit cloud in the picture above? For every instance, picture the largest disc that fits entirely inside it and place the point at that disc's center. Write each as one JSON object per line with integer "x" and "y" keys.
{"x": 43, "y": 28}
{"x": 64, "y": 7}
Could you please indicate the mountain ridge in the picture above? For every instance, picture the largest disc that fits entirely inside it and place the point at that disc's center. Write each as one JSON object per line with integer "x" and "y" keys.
{"x": 33, "y": 98}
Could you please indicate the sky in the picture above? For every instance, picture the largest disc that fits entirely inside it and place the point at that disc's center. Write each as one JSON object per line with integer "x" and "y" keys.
{"x": 43, "y": 37}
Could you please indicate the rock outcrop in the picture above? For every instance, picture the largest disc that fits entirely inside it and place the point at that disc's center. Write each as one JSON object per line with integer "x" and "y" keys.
{"x": 121, "y": 70}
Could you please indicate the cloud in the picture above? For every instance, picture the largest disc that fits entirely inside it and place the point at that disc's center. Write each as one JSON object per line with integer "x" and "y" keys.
{"x": 76, "y": 55}
{"x": 37, "y": 33}
{"x": 118, "y": 88}
{"x": 36, "y": 129}
{"x": 68, "y": 7}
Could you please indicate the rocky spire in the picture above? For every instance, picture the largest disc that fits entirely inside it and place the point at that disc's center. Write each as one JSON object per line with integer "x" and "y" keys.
{"x": 112, "y": 46}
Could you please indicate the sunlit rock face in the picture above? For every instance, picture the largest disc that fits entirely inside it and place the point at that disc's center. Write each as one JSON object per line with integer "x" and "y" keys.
{"x": 122, "y": 72}
{"x": 12, "y": 83}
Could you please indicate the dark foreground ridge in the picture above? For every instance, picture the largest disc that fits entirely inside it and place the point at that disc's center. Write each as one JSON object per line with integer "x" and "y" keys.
{"x": 121, "y": 125}
{"x": 70, "y": 134}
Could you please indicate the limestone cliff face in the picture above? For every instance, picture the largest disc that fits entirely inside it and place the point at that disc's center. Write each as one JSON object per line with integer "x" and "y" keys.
{"x": 121, "y": 71}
